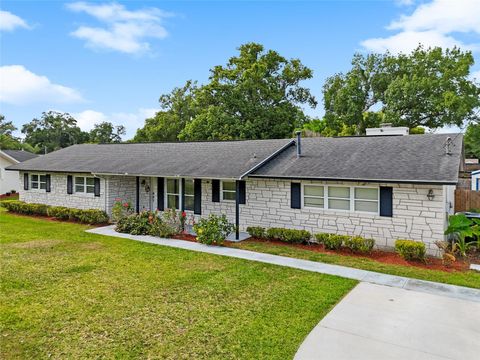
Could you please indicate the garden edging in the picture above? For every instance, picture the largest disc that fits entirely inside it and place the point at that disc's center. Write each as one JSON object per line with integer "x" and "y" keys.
{"x": 448, "y": 290}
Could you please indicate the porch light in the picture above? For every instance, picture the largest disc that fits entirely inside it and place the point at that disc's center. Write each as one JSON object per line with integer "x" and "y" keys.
{"x": 430, "y": 195}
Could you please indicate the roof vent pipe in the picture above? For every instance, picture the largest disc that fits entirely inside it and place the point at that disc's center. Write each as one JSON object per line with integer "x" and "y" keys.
{"x": 299, "y": 143}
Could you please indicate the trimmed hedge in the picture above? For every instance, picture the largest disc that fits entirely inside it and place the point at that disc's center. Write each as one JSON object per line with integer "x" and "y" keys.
{"x": 359, "y": 244}
{"x": 293, "y": 236}
{"x": 256, "y": 232}
{"x": 410, "y": 250}
{"x": 89, "y": 216}
{"x": 335, "y": 242}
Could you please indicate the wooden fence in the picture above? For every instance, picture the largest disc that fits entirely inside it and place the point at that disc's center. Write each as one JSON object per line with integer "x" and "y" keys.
{"x": 466, "y": 200}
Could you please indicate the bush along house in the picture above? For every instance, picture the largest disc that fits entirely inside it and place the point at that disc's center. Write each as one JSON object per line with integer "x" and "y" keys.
{"x": 381, "y": 187}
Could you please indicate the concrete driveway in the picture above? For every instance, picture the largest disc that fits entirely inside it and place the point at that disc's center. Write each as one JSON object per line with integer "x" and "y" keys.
{"x": 382, "y": 322}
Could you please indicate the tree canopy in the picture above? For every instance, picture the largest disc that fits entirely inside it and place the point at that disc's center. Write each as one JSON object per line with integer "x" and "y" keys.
{"x": 472, "y": 141}
{"x": 106, "y": 132}
{"x": 428, "y": 87}
{"x": 256, "y": 95}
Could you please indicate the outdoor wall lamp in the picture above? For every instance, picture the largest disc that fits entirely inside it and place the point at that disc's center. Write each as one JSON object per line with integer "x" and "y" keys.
{"x": 430, "y": 195}
{"x": 145, "y": 185}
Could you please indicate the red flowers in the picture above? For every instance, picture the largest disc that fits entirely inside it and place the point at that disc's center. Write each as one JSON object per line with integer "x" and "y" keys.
{"x": 184, "y": 214}
{"x": 126, "y": 205}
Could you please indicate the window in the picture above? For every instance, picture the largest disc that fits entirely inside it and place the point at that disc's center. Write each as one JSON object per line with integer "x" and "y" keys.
{"x": 313, "y": 196}
{"x": 84, "y": 184}
{"x": 38, "y": 181}
{"x": 366, "y": 199}
{"x": 173, "y": 194}
{"x": 189, "y": 194}
{"x": 338, "y": 198}
{"x": 228, "y": 190}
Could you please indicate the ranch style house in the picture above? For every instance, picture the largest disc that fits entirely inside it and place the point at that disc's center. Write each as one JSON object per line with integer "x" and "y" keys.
{"x": 381, "y": 187}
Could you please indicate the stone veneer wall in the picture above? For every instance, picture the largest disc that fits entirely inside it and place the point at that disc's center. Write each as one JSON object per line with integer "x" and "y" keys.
{"x": 268, "y": 205}
{"x": 58, "y": 195}
{"x": 414, "y": 216}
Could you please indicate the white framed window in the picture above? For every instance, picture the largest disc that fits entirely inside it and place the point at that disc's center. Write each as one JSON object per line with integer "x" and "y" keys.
{"x": 339, "y": 198}
{"x": 172, "y": 192}
{"x": 366, "y": 199}
{"x": 38, "y": 181}
{"x": 228, "y": 190}
{"x": 189, "y": 192}
{"x": 84, "y": 184}
{"x": 314, "y": 196}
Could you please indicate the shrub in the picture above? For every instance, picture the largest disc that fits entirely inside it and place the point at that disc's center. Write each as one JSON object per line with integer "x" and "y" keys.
{"x": 121, "y": 209}
{"x": 256, "y": 232}
{"x": 137, "y": 224}
{"x": 59, "y": 212}
{"x": 322, "y": 237}
{"x": 90, "y": 216}
{"x": 410, "y": 250}
{"x": 213, "y": 230}
{"x": 175, "y": 220}
{"x": 359, "y": 244}
{"x": 335, "y": 242}
{"x": 274, "y": 233}
{"x": 295, "y": 236}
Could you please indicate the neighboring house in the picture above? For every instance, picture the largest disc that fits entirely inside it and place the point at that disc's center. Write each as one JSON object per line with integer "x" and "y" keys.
{"x": 9, "y": 179}
{"x": 384, "y": 187}
{"x": 476, "y": 180}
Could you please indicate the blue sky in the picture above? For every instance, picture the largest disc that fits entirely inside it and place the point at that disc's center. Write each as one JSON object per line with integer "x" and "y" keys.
{"x": 112, "y": 60}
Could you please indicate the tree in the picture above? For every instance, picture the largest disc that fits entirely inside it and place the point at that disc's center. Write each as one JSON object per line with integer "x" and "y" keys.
{"x": 106, "y": 132}
{"x": 472, "y": 140}
{"x": 178, "y": 108}
{"x": 7, "y": 140}
{"x": 53, "y": 131}
{"x": 429, "y": 88}
{"x": 257, "y": 95}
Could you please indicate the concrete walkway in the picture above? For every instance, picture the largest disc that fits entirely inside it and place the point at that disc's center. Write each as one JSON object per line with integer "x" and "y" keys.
{"x": 379, "y": 322}
{"x": 452, "y": 291}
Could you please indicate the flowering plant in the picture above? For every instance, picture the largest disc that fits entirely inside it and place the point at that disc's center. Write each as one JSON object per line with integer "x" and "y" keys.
{"x": 121, "y": 209}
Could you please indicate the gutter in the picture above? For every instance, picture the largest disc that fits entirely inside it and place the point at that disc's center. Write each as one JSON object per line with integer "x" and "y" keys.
{"x": 426, "y": 182}
{"x": 267, "y": 159}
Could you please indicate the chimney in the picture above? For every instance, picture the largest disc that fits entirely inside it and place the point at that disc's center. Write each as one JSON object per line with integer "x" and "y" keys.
{"x": 299, "y": 143}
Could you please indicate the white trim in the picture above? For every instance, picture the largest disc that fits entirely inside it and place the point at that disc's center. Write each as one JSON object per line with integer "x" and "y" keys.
{"x": 30, "y": 187}
{"x": 84, "y": 185}
{"x": 351, "y": 198}
{"x": 229, "y": 191}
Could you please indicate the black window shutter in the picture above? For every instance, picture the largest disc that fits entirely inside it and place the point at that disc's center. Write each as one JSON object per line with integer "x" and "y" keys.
{"x": 197, "y": 197}
{"x": 69, "y": 184}
{"x": 242, "y": 191}
{"x": 48, "y": 185}
{"x": 96, "y": 186}
{"x": 386, "y": 201}
{"x": 216, "y": 190}
{"x": 295, "y": 192}
{"x": 182, "y": 199}
{"x": 160, "y": 194}
{"x": 25, "y": 181}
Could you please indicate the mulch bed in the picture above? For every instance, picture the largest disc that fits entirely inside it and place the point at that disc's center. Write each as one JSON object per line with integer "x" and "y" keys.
{"x": 386, "y": 257}
{"x": 9, "y": 197}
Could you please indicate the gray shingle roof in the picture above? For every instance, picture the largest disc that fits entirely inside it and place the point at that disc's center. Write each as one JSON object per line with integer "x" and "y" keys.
{"x": 412, "y": 158}
{"x": 20, "y": 155}
{"x": 223, "y": 159}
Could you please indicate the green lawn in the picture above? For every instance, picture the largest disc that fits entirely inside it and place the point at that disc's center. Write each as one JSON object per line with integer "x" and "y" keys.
{"x": 69, "y": 294}
{"x": 467, "y": 278}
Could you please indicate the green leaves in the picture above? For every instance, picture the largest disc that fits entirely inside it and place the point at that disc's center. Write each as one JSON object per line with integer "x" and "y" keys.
{"x": 461, "y": 227}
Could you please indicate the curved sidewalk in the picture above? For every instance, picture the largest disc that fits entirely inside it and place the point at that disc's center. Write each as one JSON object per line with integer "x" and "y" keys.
{"x": 453, "y": 291}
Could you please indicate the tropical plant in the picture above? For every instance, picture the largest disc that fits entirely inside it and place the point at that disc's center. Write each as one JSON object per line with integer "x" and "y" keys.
{"x": 461, "y": 227}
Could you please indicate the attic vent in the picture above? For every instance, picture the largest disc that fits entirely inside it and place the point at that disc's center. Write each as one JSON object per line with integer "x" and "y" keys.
{"x": 448, "y": 146}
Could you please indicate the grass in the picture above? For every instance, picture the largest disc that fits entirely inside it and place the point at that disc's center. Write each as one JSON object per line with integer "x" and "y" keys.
{"x": 69, "y": 294}
{"x": 466, "y": 278}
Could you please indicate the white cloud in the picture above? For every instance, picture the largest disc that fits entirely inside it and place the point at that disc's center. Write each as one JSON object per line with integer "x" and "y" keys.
{"x": 132, "y": 121}
{"x": 20, "y": 86}
{"x": 124, "y": 30}
{"x": 475, "y": 76}
{"x": 9, "y": 21}
{"x": 436, "y": 23}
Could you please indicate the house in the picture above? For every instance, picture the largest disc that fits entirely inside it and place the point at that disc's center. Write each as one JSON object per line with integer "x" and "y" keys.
{"x": 384, "y": 187}
{"x": 476, "y": 180}
{"x": 9, "y": 180}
